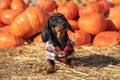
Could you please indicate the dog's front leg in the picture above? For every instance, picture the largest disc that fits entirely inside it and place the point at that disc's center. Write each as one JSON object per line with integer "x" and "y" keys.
{"x": 51, "y": 67}
{"x": 69, "y": 63}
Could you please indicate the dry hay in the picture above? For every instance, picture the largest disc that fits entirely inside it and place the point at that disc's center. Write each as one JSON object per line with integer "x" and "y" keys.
{"x": 29, "y": 63}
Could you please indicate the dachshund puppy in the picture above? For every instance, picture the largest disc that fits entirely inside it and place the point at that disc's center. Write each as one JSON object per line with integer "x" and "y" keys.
{"x": 58, "y": 45}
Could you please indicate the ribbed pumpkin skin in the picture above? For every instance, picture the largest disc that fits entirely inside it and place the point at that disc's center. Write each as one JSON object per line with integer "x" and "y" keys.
{"x": 106, "y": 39}
{"x": 5, "y": 4}
{"x": 29, "y": 22}
{"x": 80, "y": 37}
{"x": 93, "y": 23}
{"x": 103, "y": 6}
{"x": 8, "y": 15}
{"x": 18, "y": 5}
{"x": 100, "y": 7}
{"x": 68, "y": 9}
{"x": 9, "y": 40}
{"x": 47, "y": 5}
{"x": 88, "y": 9}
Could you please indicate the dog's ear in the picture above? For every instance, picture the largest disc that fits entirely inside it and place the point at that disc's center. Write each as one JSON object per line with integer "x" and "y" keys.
{"x": 69, "y": 26}
{"x": 46, "y": 32}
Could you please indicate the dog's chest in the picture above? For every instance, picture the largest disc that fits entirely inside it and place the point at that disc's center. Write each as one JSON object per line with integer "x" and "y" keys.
{"x": 53, "y": 51}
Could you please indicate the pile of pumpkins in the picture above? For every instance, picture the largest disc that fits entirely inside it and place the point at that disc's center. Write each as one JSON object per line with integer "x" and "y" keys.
{"x": 96, "y": 22}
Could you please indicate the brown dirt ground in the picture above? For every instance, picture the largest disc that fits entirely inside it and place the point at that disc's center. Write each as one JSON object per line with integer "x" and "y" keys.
{"x": 29, "y": 63}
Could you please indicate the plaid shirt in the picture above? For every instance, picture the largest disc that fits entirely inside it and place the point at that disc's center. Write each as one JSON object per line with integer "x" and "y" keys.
{"x": 53, "y": 52}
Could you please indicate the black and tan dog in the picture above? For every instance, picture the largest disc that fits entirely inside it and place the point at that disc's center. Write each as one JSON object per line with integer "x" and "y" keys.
{"x": 59, "y": 46}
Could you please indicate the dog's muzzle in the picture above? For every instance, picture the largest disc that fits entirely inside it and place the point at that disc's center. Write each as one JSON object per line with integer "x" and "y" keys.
{"x": 60, "y": 31}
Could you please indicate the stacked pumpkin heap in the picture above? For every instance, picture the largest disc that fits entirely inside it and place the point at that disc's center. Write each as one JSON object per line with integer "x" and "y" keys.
{"x": 96, "y": 22}
{"x": 92, "y": 21}
{"x": 18, "y": 21}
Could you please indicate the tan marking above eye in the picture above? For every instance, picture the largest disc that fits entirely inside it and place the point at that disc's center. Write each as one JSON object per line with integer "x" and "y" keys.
{"x": 54, "y": 20}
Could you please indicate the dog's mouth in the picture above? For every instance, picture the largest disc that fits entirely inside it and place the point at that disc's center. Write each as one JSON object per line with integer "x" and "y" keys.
{"x": 60, "y": 34}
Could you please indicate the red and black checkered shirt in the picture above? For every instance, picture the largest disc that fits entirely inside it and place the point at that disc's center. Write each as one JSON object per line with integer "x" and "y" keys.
{"x": 55, "y": 51}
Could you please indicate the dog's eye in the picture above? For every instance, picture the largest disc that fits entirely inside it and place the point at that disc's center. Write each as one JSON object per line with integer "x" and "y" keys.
{"x": 54, "y": 21}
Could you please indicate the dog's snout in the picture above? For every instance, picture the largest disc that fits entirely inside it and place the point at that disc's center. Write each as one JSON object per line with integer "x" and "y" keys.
{"x": 60, "y": 31}
{"x": 58, "y": 28}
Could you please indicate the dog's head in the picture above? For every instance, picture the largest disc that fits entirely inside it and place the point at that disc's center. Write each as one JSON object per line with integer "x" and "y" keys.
{"x": 56, "y": 26}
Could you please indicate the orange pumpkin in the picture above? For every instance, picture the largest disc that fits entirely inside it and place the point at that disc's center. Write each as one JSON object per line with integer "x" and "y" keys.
{"x": 101, "y": 7}
{"x": 38, "y": 39}
{"x": 104, "y": 5}
{"x": 116, "y": 2}
{"x": 93, "y": 23}
{"x": 106, "y": 39}
{"x": 5, "y": 4}
{"x": 68, "y": 9}
{"x": 47, "y": 5}
{"x": 113, "y": 17}
{"x": 80, "y": 37}
{"x": 87, "y": 10}
{"x": 74, "y": 24}
{"x": 9, "y": 40}
{"x": 31, "y": 21}
{"x": 8, "y": 15}
{"x": 18, "y": 5}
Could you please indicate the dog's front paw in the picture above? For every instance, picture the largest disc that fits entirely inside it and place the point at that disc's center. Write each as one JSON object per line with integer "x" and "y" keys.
{"x": 70, "y": 65}
{"x": 51, "y": 69}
